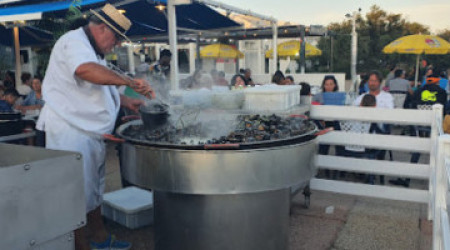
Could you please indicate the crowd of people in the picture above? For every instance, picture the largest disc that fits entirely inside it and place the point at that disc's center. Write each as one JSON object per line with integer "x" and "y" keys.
{"x": 26, "y": 97}
{"x": 398, "y": 93}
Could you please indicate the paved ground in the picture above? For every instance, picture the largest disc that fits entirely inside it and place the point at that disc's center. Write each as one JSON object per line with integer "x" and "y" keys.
{"x": 351, "y": 222}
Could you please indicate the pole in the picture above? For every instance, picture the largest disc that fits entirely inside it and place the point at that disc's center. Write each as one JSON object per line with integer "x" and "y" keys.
{"x": 198, "y": 60}
{"x": 274, "y": 46}
{"x": 302, "y": 49}
{"x": 416, "y": 77}
{"x": 354, "y": 50}
{"x": 237, "y": 59}
{"x": 130, "y": 56}
{"x": 17, "y": 55}
{"x": 332, "y": 53}
{"x": 192, "y": 57}
{"x": 172, "y": 23}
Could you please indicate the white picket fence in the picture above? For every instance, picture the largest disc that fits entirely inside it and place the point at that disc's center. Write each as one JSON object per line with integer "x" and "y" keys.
{"x": 437, "y": 172}
{"x": 441, "y": 227}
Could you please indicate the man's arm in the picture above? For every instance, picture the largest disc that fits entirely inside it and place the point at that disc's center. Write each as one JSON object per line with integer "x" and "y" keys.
{"x": 99, "y": 74}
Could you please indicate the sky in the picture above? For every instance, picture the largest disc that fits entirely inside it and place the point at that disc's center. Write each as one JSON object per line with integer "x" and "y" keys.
{"x": 433, "y": 13}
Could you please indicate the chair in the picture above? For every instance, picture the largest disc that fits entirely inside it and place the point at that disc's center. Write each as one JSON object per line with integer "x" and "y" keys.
{"x": 355, "y": 127}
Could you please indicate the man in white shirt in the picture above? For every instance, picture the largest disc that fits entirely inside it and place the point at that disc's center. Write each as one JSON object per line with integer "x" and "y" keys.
{"x": 82, "y": 102}
{"x": 384, "y": 101}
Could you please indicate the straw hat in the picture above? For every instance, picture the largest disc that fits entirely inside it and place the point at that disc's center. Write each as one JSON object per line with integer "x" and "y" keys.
{"x": 114, "y": 19}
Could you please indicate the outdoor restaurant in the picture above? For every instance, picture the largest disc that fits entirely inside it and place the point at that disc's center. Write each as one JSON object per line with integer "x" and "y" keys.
{"x": 197, "y": 124}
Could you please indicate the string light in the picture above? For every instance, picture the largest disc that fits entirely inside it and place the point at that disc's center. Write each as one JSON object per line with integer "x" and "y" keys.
{"x": 160, "y": 7}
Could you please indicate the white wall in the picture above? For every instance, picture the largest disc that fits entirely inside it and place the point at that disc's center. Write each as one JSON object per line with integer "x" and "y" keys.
{"x": 31, "y": 65}
{"x": 311, "y": 78}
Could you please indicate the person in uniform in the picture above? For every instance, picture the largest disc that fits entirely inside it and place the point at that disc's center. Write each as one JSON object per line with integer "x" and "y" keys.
{"x": 81, "y": 105}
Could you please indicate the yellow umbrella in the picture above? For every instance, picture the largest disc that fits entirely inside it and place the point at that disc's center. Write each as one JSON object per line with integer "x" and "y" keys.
{"x": 292, "y": 48}
{"x": 219, "y": 50}
{"x": 418, "y": 44}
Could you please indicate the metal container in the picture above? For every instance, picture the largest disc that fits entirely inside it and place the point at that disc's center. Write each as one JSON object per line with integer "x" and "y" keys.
{"x": 154, "y": 115}
{"x": 220, "y": 199}
{"x": 42, "y": 198}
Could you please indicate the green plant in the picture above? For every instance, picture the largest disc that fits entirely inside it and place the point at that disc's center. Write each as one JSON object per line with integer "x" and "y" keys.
{"x": 59, "y": 27}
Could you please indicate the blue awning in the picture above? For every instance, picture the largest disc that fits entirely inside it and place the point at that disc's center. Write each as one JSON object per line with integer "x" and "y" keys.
{"x": 146, "y": 19}
{"x": 192, "y": 16}
{"x": 43, "y": 7}
{"x": 29, "y": 36}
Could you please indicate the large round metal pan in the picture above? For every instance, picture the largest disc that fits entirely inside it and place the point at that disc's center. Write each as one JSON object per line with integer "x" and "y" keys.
{"x": 310, "y": 135}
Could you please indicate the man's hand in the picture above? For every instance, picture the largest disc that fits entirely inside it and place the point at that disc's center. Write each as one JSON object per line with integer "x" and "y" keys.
{"x": 130, "y": 103}
{"x": 143, "y": 87}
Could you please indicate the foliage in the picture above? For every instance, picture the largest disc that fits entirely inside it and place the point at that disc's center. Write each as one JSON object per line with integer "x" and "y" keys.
{"x": 375, "y": 30}
{"x": 59, "y": 28}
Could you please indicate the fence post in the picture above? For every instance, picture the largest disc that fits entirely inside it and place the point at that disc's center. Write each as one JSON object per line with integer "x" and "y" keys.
{"x": 440, "y": 192}
{"x": 436, "y": 126}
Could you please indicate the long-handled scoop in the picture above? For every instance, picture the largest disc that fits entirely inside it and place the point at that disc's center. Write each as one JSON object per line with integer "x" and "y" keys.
{"x": 126, "y": 76}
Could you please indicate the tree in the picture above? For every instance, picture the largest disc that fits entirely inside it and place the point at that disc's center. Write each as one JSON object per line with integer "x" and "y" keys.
{"x": 441, "y": 62}
{"x": 375, "y": 30}
{"x": 59, "y": 27}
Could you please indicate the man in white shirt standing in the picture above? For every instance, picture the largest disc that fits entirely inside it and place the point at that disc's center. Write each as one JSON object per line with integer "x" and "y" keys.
{"x": 82, "y": 102}
{"x": 384, "y": 101}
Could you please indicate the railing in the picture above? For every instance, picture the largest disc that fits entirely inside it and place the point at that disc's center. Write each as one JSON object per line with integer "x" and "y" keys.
{"x": 437, "y": 145}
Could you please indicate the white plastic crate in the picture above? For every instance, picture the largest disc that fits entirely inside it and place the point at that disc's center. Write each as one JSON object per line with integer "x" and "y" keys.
{"x": 131, "y": 207}
{"x": 272, "y": 97}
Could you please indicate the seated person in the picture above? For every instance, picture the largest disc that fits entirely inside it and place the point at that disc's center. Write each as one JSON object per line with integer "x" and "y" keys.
{"x": 367, "y": 100}
{"x": 34, "y": 100}
{"x": 195, "y": 81}
{"x": 25, "y": 88}
{"x": 10, "y": 96}
{"x": 278, "y": 78}
{"x": 248, "y": 77}
{"x": 289, "y": 80}
{"x": 221, "y": 81}
{"x": 329, "y": 85}
{"x": 9, "y": 82}
{"x": 237, "y": 82}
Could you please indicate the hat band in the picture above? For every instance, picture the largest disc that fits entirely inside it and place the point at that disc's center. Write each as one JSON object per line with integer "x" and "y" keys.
{"x": 112, "y": 22}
